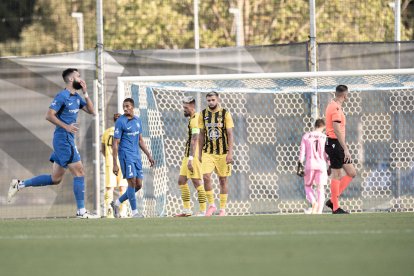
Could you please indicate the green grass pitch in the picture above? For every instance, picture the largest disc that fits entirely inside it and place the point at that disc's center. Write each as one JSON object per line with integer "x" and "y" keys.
{"x": 357, "y": 244}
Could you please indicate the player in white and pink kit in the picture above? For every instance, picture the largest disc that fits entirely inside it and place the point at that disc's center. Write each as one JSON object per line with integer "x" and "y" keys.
{"x": 312, "y": 152}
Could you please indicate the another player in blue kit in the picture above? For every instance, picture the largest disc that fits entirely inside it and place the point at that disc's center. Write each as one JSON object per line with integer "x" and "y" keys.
{"x": 127, "y": 144}
{"x": 63, "y": 112}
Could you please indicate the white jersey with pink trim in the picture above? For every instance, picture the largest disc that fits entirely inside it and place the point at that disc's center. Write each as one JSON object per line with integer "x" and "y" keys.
{"x": 312, "y": 151}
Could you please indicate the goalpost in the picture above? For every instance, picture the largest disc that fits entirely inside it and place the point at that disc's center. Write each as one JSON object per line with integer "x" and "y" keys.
{"x": 271, "y": 112}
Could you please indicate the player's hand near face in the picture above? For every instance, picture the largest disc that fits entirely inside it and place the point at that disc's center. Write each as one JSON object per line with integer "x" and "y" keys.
{"x": 83, "y": 84}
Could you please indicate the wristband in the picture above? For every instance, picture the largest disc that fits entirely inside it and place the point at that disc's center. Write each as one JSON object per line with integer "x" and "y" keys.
{"x": 86, "y": 95}
{"x": 190, "y": 157}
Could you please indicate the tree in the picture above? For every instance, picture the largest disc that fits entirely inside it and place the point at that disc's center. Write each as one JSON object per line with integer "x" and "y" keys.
{"x": 147, "y": 24}
{"x": 14, "y": 16}
{"x": 407, "y": 17}
{"x": 168, "y": 24}
{"x": 52, "y": 29}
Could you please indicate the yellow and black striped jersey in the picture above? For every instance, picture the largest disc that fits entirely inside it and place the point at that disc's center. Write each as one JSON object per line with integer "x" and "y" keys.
{"x": 215, "y": 125}
{"x": 193, "y": 128}
{"x": 107, "y": 140}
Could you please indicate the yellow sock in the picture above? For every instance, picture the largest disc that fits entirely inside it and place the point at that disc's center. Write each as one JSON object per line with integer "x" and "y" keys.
{"x": 185, "y": 195}
{"x": 202, "y": 198}
{"x": 210, "y": 197}
{"x": 223, "y": 201}
{"x": 108, "y": 197}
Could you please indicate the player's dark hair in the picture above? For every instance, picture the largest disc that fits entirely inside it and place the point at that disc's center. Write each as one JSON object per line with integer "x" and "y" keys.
{"x": 67, "y": 72}
{"x": 319, "y": 123}
{"x": 212, "y": 94}
{"x": 130, "y": 100}
{"x": 340, "y": 89}
{"x": 116, "y": 116}
{"x": 189, "y": 100}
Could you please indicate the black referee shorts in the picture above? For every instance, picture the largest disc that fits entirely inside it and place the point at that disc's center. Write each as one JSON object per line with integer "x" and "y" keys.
{"x": 336, "y": 153}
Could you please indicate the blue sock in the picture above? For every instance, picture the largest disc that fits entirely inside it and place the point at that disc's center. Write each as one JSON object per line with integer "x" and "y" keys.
{"x": 123, "y": 197}
{"x": 131, "y": 197}
{"x": 40, "y": 180}
{"x": 79, "y": 191}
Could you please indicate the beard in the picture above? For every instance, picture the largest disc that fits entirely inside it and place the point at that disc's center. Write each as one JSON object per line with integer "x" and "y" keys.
{"x": 212, "y": 107}
{"x": 76, "y": 85}
{"x": 129, "y": 113}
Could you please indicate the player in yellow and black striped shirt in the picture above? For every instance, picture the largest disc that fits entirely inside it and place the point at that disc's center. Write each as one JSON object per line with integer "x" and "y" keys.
{"x": 190, "y": 167}
{"x": 216, "y": 145}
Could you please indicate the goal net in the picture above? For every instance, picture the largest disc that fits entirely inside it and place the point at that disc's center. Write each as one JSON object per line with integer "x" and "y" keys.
{"x": 271, "y": 112}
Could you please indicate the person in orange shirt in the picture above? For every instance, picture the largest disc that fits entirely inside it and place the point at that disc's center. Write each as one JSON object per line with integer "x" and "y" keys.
{"x": 337, "y": 149}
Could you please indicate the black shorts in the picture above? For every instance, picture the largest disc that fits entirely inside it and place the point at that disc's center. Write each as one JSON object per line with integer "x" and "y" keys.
{"x": 336, "y": 153}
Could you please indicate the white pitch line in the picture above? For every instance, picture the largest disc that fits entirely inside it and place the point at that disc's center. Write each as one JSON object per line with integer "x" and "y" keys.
{"x": 204, "y": 235}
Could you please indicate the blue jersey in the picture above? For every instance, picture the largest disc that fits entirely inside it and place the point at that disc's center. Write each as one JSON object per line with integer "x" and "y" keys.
{"x": 67, "y": 107}
{"x": 128, "y": 131}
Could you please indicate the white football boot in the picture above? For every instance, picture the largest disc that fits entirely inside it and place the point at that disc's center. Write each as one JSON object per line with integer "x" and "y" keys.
{"x": 87, "y": 215}
{"x": 14, "y": 188}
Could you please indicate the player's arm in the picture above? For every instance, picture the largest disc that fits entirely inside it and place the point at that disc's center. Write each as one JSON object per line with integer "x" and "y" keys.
{"x": 115, "y": 145}
{"x": 341, "y": 139}
{"x": 144, "y": 148}
{"x": 51, "y": 117}
{"x": 299, "y": 168}
{"x": 201, "y": 136}
{"x": 89, "y": 108}
{"x": 201, "y": 143}
{"x": 193, "y": 145}
{"x": 302, "y": 150}
{"x": 325, "y": 155}
{"x": 103, "y": 144}
{"x": 326, "y": 158}
{"x": 103, "y": 148}
{"x": 230, "y": 139}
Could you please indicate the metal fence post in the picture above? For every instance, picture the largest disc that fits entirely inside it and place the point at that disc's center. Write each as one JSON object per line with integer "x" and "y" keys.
{"x": 397, "y": 38}
{"x": 313, "y": 59}
{"x": 100, "y": 101}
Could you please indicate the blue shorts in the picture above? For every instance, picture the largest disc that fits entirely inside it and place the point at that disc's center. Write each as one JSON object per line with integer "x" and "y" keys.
{"x": 131, "y": 169}
{"x": 65, "y": 150}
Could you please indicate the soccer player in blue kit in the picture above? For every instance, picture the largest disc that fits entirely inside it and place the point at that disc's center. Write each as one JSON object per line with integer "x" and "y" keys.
{"x": 63, "y": 112}
{"x": 127, "y": 144}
